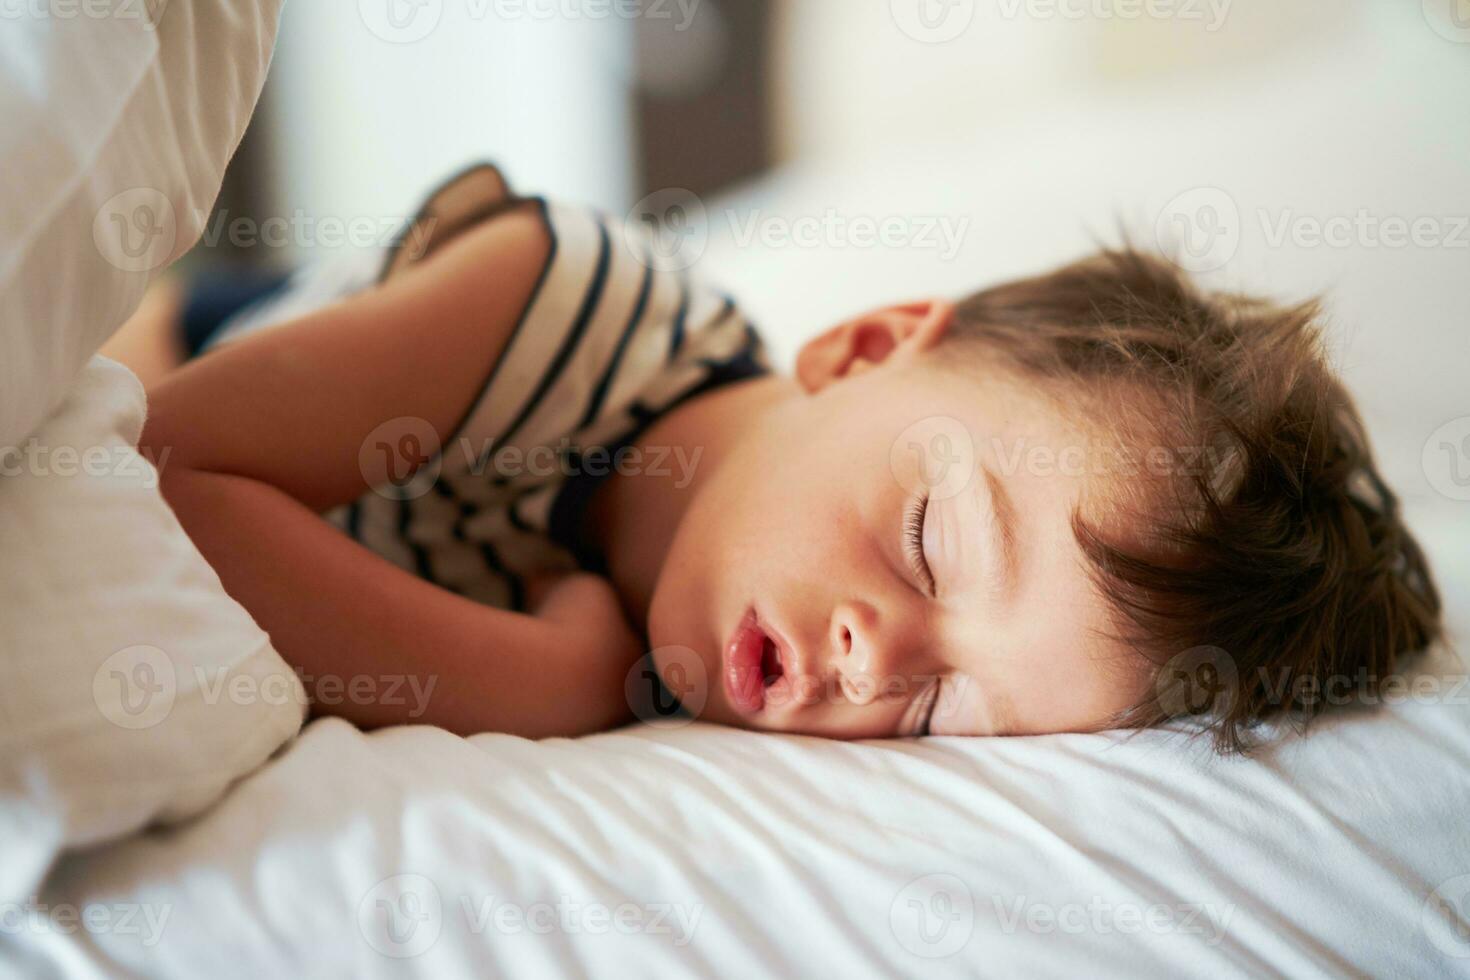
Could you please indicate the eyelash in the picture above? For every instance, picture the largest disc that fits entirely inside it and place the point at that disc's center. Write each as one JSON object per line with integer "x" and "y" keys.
{"x": 913, "y": 541}
{"x": 933, "y": 705}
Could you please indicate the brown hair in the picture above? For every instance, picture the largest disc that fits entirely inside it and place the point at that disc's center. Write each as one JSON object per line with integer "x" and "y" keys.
{"x": 1282, "y": 560}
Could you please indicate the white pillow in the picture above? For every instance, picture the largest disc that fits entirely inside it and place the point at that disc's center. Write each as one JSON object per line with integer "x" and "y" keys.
{"x": 119, "y": 118}
{"x": 134, "y": 688}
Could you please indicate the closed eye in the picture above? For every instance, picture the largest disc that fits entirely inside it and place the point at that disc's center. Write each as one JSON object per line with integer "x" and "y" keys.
{"x": 928, "y": 701}
{"x": 913, "y": 542}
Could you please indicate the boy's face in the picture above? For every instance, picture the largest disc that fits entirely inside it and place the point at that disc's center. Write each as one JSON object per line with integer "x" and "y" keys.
{"x": 889, "y": 552}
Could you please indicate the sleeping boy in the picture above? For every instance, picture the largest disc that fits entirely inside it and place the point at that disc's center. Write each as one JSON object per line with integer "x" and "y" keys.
{"x": 514, "y": 455}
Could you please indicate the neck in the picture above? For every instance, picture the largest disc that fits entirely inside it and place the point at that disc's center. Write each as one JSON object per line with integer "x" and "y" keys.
{"x": 634, "y": 516}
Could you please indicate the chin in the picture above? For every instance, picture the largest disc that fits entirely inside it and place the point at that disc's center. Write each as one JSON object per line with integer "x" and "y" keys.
{"x": 681, "y": 614}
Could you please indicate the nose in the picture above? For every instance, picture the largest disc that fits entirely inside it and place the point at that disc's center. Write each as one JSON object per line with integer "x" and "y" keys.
{"x": 862, "y": 657}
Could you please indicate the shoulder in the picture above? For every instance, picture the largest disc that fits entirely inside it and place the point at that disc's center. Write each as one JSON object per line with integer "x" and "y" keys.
{"x": 516, "y": 240}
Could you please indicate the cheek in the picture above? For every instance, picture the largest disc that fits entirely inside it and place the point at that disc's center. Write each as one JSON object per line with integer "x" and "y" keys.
{"x": 1081, "y": 698}
{"x": 800, "y": 502}
{"x": 777, "y": 486}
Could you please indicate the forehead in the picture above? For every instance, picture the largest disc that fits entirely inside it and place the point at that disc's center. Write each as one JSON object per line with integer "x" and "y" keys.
{"x": 1074, "y": 445}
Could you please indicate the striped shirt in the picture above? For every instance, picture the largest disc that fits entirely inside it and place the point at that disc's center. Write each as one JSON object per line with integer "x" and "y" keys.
{"x": 607, "y": 345}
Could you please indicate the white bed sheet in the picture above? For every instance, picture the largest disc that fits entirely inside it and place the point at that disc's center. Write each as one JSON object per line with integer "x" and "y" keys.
{"x": 742, "y": 855}
{"x": 410, "y": 852}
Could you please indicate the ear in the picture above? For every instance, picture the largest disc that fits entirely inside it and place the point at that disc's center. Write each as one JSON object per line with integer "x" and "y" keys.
{"x": 892, "y": 334}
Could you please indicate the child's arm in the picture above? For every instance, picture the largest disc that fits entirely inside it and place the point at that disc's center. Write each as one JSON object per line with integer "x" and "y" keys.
{"x": 264, "y": 434}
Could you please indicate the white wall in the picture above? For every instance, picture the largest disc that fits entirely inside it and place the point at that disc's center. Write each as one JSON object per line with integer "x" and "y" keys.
{"x": 1305, "y": 153}
{"x": 366, "y": 117}
{"x": 852, "y": 76}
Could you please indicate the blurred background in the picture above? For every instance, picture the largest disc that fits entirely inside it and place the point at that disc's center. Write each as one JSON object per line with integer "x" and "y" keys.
{"x": 825, "y": 155}
{"x": 605, "y": 101}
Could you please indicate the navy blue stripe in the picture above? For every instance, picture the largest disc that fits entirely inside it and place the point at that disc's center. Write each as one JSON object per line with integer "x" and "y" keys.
{"x": 568, "y": 510}
{"x": 642, "y": 414}
{"x": 599, "y": 393}
{"x": 676, "y": 338}
{"x": 488, "y": 554}
{"x": 468, "y": 510}
{"x": 569, "y": 345}
{"x": 555, "y": 247}
{"x": 726, "y": 310}
{"x": 749, "y": 351}
{"x": 516, "y": 520}
{"x": 723, "y": 315}
{"x": 517, "y": 587}
{"x": 420, "y": 554}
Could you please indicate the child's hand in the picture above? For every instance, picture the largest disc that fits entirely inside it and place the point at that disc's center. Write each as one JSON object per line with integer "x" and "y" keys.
{"x": 589, "y": 605}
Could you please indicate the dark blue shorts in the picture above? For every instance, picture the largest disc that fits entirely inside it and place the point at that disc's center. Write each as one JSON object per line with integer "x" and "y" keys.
{"x": 212, "y": 298}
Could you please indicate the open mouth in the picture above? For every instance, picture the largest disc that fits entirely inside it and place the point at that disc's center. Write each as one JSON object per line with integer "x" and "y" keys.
{"x": 752, "y": 664}
{"x": 771, "y": 669}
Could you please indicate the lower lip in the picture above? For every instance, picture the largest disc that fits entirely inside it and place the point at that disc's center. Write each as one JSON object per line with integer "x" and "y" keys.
{"x": 743, "y": 681}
